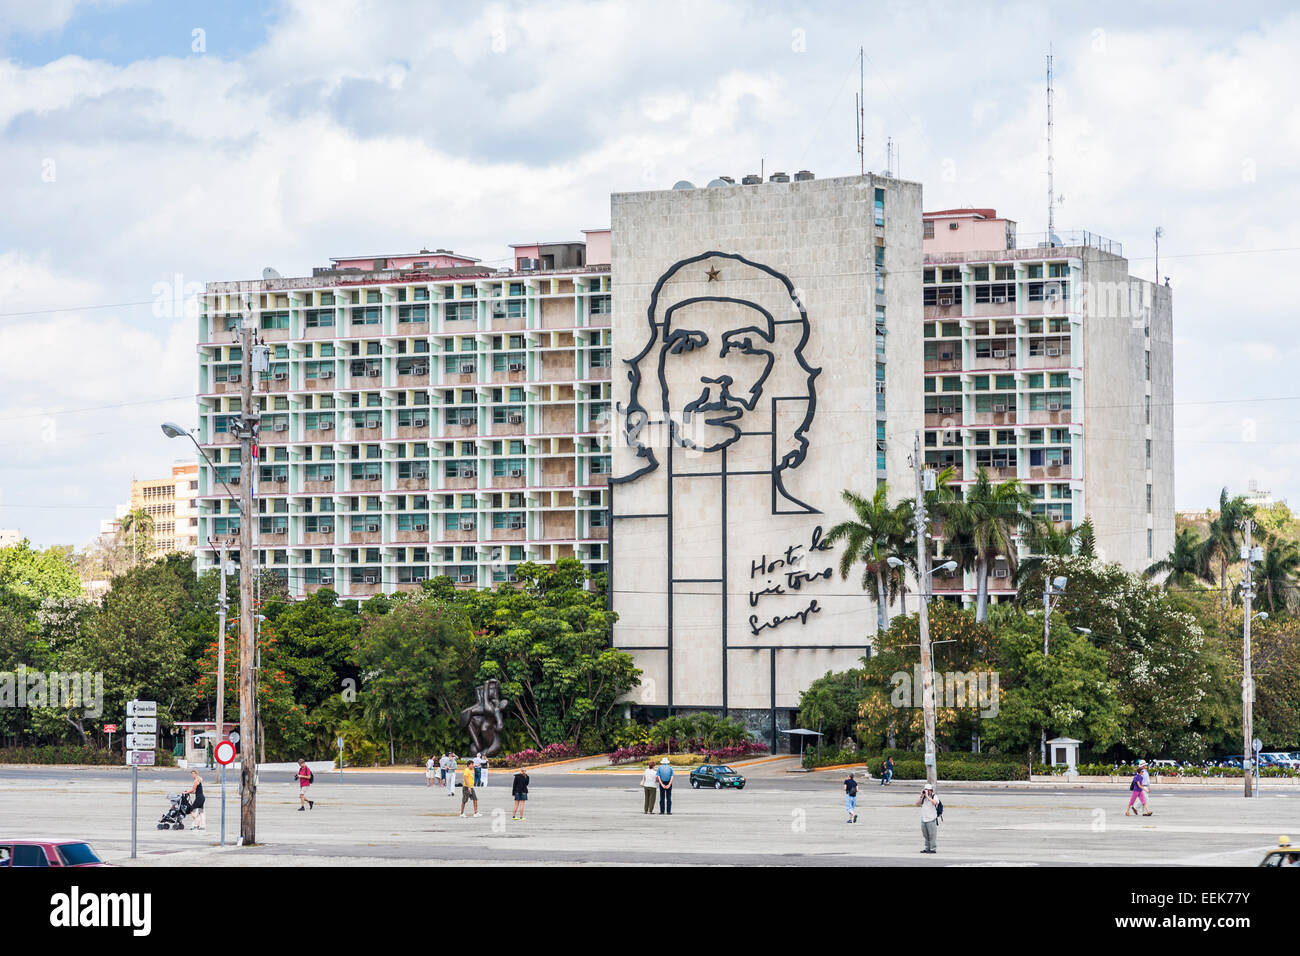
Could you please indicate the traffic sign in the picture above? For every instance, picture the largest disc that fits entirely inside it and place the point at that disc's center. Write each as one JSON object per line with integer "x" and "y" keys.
{"x": 1257, "y": 744}
{"x": 234, "y": 736}
{"x": 141, "y": 708}
{"x": 110, "y": 728}
{"x": 224, "y": 752}
{"x": 140, "y": 758}
{"x": 141, "y": 725}
{"x": 141, "y": 741}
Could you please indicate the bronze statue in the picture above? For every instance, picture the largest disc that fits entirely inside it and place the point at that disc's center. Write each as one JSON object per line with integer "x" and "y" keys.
{"x": 484, "y": 719}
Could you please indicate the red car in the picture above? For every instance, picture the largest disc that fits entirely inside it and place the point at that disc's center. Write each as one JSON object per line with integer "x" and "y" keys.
{"x": 48, "y": 853}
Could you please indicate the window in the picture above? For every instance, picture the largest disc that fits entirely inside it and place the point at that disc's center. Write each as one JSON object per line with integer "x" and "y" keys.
{"x": 458, "y": 311}
{"x": 927, "y": 229}
{"x": 275, "y": 320}
{"x": 413, "y": 313}
{"x": 319, "y": 318}
{"x": 600, "y": 305}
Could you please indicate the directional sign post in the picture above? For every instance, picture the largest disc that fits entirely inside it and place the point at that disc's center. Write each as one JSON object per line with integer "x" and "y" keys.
{"x": 139, "y": 756}
{"x": 141, "y": 725}
{"x": 340, "y": 760}
{"x": 224, "y": 754}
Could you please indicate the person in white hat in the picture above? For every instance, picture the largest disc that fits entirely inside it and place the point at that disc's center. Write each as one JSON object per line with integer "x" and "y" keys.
{"x": 665, "y": 787}
{"x": 929, "y": 818}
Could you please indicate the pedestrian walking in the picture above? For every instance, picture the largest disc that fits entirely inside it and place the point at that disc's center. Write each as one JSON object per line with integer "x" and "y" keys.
{"x": 851, "y": 797}
{"x": 519, "y": 790}
{"x": 887, "y": 771}
{"x": 929, "y": 818}
{"x": 649, "y": 784}
{"x": 665, "y": 775}
{"x": 200, "y": 816}
{"x": 449, "y": 773}
{"x": 430, "y": 771}
{"x": 467, "y": 791}
{"x": 1138, "y": 788}
{"x": 480, "y": 762}
{"x": 305, "y": 778}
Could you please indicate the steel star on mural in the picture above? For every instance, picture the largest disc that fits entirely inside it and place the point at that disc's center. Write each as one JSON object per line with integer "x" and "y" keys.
{"x": 713, "y": 274}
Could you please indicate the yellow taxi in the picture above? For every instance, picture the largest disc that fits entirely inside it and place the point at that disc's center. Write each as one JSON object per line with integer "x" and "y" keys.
{"x": 1284, "y": 854}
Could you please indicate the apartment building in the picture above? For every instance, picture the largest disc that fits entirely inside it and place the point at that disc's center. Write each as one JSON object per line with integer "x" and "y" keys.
{"x": 422, "y": 415}
{"x": 1046, "y": 361}
{"x": 170, "y": 502}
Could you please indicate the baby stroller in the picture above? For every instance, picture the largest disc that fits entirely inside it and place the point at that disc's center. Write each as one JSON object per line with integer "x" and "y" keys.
{"x": 176, "y": 813}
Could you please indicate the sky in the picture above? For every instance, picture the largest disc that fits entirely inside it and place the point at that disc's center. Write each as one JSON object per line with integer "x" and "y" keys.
{"x": 149, "y": 147}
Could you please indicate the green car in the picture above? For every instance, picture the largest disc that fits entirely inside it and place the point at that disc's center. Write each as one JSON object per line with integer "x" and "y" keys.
{"x": 717, "y": 776}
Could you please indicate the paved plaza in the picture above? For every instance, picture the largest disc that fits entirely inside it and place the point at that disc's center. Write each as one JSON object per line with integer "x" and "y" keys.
{"x": 578, "y": 816}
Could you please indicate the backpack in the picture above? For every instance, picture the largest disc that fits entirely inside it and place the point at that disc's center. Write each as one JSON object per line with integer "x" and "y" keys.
{"x": 311, "y": 777}
{"x": 938, "y": 809}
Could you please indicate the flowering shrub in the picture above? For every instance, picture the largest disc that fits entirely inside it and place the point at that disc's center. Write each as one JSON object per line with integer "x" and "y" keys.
{"x": 713, "y": 755}
{"x": 526, "y": 758}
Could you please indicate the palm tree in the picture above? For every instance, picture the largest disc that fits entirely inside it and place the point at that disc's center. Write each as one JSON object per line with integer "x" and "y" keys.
{"x": 1222, "y": 545}
{"x": 1276, "y": 574}
{"x": 1183, "y": 564}
{"x": 1045, "y": 539}
{"x": 904, "y": 543}
{"x": 984, "y": 524}
{"x": 139, "y": 524}
{"x": 869, "y": 539}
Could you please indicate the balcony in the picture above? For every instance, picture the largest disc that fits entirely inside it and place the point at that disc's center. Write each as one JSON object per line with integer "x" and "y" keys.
{"x": 952, "y": 364}
{"x": 1050, "y": 471}
{"x": 994, "y": 418}
{"x": 944, "y": 419}
{"x": 1049, "y": 417}
{"x": 998, "y": 360}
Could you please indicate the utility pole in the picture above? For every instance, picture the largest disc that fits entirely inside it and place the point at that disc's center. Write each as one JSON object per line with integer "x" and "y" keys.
{"x": 248, "y": 424}
{"x": 1052, "y": 587}
{"x": 223, "y": 605}
{"x": 923, "y": 567}
{"x": 1247, "y": 680}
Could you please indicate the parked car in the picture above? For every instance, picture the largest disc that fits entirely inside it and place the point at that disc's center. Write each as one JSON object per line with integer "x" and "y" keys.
{"x": 717, "y": 776}
{"x": 1284, "y": 854}
{"x": 48, "y": 853}
{"x": 1230, "y": 762}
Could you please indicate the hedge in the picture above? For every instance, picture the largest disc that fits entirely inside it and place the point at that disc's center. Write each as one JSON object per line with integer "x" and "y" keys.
{"x": 1127, "y": 770}
{"x": 71, "y": 754}
{"x": 910, "y": 765}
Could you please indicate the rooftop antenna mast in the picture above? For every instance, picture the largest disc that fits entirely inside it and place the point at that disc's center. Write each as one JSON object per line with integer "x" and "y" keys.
{"x": 859, "y": 113}
{"x": 1051, "y": 188}
{"x": 889, "y": 156}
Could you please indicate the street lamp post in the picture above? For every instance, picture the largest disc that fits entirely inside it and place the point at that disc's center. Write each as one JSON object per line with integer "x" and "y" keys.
{"x": 1053, "y": 588}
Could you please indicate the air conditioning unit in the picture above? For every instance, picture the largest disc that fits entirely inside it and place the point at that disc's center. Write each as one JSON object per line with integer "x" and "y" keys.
{"x": 280, "y": 427}
{"x": 1056, "y": 515}
{"x": 372, "y": 528}
{"x": 329, "y": 477}
{"x": 419, "y": 370}
{"x": 327, "y": 579}
{"x": 324, "y": 529}
{"x": 371, "y": 579}
{"x": 516, "y": 472}
{"x": 282, "y": 376}
{"x": 510, "y": 578}
{"x": 419, "y": 422}
{"x": 946, "y": 409}
{"x": 516, "y": 366}
{"x": 945, "y": 355}
{"x": 373, "y": 372}
{"x": 516, "y": 419}
{"x": 467, "y": 525}
{"x": 999, "y": 462}
{"x": 946, "y": 301}
{"x": 1001, "y": 573}
{"x": 466, "y": 579}
{"x": 1053, "y": 352}
{"x": 371, "y": 423}
{"x": 420, "y": 474}
{"x": 417, "y": 578}
{"x": 1000, "y": 299}
{"x": 421, "y": 527}
{"x": 515, "y": 524}
{"x": 325, "y": 373}
{"x": 235, "y": 377}
{"x": 467, "y": 370}
{"x": 1053, "y": 406}
{"x": 999, "y": 408}
{"x": 999, "y": 353}
{"x": 326, "y": 425}
{"x": 469, "y": 473}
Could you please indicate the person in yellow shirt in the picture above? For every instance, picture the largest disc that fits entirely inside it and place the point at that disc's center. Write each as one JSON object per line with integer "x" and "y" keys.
{"x": 467, "y": 791}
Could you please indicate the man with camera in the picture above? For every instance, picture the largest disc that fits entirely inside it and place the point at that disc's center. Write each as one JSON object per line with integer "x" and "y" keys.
{"x": 929, "y": 818}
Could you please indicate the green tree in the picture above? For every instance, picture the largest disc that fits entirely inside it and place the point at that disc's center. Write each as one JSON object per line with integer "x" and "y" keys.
{"x": 138, "y": 527}
{"x": 1183, "y": 565}
{"x": 869, "y": 540}
{"x": 28, "y": 576}
{"x": 315, "y": 639}
{"x": 1045, "y": 539}
{"x": 1275, "y": 578}
{"x": 1221, "y": 547}
{"x": 417, "y": 663}
{"x": 1068, "y": 692}
{"x": 548, "y": 644}
{"x": 982, "y": 525}
{"x": 833, "y": 703}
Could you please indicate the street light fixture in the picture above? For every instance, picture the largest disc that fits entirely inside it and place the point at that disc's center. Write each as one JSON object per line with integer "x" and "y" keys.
{"x": 1052, "y": 591}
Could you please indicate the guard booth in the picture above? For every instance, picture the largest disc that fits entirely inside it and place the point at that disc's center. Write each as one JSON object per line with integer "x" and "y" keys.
{"x": 194, "y": 735}
{"x": 801, "y": 738}
{"x": 1064, "y": 752}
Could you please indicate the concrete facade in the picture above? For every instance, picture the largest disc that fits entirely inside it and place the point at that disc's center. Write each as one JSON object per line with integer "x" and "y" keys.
{"x": 767, "y": 361}
{"x": 1050, "y": 364}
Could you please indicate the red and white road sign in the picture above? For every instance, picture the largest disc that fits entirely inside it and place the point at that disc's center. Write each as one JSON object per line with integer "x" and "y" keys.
{"x": 224, "y": 752}
{"x": 110, "y": 728}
